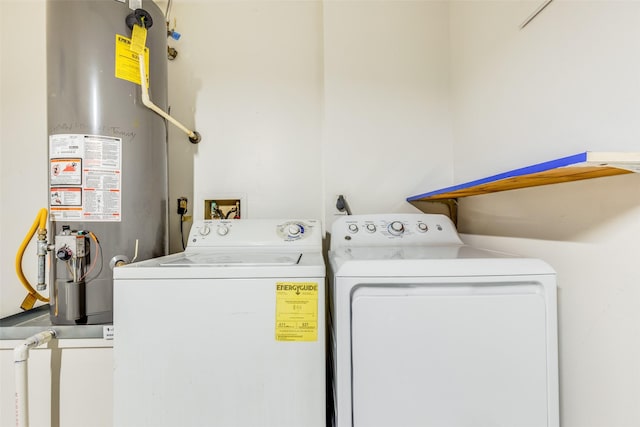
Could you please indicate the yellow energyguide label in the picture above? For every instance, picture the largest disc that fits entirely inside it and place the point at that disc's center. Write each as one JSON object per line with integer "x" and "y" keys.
{"x": 296, "y": 311}
{"x": 127, "y": 66}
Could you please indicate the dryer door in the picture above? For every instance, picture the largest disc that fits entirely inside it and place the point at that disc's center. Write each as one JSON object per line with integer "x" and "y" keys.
{"x": 463, "y": 354}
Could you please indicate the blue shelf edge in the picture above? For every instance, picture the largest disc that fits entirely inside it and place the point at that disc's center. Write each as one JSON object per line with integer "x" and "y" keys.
{"x": 538, "y": 167}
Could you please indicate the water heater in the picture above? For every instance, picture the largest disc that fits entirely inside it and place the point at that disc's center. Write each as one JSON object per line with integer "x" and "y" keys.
{"x": 107, "y": 151}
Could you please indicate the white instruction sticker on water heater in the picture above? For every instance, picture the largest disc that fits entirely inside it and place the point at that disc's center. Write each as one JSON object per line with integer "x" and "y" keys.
{"x": 85, "y": 178}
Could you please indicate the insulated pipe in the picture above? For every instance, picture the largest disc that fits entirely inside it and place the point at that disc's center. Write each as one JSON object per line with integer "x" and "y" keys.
{"x": 20, "y": 359}
{"x": 194, "y": 136}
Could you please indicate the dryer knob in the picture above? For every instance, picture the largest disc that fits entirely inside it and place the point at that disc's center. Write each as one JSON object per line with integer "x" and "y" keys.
{"x": 396, "y": 228}
{"x": 422, "y": 227}
{"x": 353, "y": 228}
{"x": 294, "y": 230}
{"x": 371, "y": 228}
{"x": 223, "y": 230}
{"x": 204, "y": 230}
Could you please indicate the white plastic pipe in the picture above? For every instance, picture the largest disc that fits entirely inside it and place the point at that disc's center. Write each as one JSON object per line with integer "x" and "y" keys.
{"x": 20, "y": 358}
{"x": 193, "y": 135}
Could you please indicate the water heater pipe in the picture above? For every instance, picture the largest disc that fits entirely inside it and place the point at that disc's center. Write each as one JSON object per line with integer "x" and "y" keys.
{"x": 39, "y": 224}
{"x": 194, "y": 136}
{"x": 20, "y": 359}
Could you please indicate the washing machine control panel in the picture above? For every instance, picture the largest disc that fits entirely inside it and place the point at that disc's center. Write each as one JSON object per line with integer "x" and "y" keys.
{"x": 390, "y": 229}
{"x": 254, "y": 232}
{"x": 294, "y": 230}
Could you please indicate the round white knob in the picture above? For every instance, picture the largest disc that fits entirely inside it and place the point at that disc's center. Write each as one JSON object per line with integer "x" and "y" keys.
{"x": 294, "y": 230}
{"x": 371, "y": 228}
{"x": 222, "y": 230}
{"x": 353, "y": 228}
{"x": 204, "y": 230}
{"x": 396, "y": 228}
{"x": 422, "y": 227}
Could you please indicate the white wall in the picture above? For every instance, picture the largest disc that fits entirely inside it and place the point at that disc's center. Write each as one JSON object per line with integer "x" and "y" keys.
{"x": 387, "y": 121}
{"x": 298, "y": 102}
{"x": 23, "y": 140}
{"x": 258, "y": 103}
{"x": 565, "y": 84}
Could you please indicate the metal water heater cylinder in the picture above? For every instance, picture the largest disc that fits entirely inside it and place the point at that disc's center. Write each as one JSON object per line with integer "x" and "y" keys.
{"x": 107, "y": 152}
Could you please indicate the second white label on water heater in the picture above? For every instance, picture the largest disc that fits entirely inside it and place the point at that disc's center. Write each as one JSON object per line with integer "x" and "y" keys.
{"x": 85, "y": 177}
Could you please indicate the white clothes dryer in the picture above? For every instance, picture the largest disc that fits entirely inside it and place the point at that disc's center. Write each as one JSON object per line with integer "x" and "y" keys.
{"x": 231, "y": 332}
{"x": 427, "y": 331}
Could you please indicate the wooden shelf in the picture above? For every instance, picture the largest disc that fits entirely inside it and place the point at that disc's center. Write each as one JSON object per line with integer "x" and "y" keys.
{"x": 586, "y": 165}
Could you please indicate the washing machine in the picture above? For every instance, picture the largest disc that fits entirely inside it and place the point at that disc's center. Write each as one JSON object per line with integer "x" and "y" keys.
{"x": 230, "y": 332}
{"x": 427, "y": 331}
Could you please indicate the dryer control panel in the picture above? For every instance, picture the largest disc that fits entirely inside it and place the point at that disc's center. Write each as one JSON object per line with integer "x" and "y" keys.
{"x": 393, "y": 230}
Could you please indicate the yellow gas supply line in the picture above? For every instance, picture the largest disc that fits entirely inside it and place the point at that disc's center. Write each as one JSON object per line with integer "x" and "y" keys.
{"x": 39, "y": 224}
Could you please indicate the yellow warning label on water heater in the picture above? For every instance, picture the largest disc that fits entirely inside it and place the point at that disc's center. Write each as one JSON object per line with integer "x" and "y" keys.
{"x": 138, "y": 39}
{"x": 127, "y": 65}
{"x": 296, "y": 311}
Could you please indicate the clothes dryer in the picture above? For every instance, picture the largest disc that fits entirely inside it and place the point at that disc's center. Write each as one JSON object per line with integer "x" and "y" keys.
{"x": 427, "y": 331}
{"x": 231, "y": 332}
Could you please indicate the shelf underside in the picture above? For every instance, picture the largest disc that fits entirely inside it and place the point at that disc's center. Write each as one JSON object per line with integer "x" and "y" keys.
{"x": 554, "y": 176}
{"x": 577, "y": 167}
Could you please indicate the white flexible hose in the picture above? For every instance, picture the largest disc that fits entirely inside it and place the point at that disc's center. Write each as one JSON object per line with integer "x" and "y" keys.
{"x": 20, "y": 359}
{"x": 147, "y": 101}
{"x": 135, "y": 254}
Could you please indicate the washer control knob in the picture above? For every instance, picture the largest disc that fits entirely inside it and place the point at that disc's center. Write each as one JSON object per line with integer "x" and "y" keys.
{"x": 422, "y": 227}
{"x": 222, "y": 230}
{"x": 204, "y": 230}
{"x": 371, "y": 228}
{"x": 396, "y": 228}
{"x": 294, "y": 230}
{"x": 353, "y": 228}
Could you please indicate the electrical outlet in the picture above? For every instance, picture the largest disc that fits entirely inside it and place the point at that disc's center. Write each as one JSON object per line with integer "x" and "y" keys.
{"x": 182, "y": 205}
{"x": 342, "y": 206}
{"x": 228, "y": 208}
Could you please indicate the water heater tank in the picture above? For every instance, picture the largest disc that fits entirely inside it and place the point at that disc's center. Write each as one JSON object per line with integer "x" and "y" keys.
{"x": 107, "y": 152}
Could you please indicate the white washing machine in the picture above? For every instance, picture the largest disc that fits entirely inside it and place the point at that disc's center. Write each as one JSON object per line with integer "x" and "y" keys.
{"x": 231, "y": 332}
{"x": 426, "y": 331}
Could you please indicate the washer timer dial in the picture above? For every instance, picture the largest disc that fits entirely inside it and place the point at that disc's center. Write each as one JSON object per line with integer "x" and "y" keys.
{"x": 294, "y": 230}
{"x": 396, "y": 228}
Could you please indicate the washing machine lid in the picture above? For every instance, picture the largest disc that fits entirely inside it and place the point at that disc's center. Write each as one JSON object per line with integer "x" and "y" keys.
{"x": 225, "y": 259}
{"x": 226, "y": 264}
